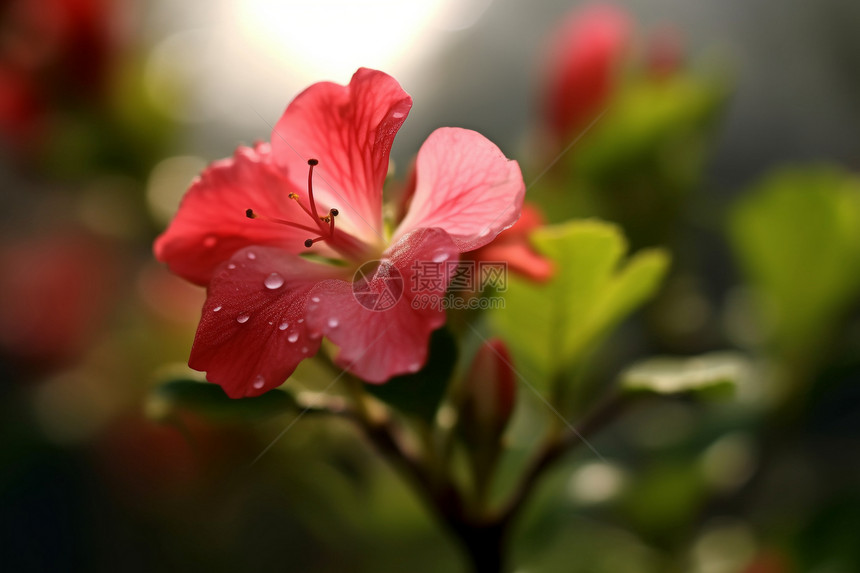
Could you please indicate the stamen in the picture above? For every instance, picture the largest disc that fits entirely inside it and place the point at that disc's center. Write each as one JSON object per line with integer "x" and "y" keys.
{"x": 309, "y": 242}
{"x": 251, "y": 214}
{"x": 332, "y": 213}
{"x": 324, "y": 224}
{"x": 295, "y": 198}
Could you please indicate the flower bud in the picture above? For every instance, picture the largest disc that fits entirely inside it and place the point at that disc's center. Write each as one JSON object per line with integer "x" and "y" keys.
{"x": 489, "y": 395}
{"x": 581, "y": 66}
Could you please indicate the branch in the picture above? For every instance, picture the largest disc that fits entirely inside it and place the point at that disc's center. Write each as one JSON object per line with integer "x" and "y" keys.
{"x": 555, "y": 447}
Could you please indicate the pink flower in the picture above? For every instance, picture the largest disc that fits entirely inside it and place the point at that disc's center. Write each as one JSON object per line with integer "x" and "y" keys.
{"x": 582, "y": 64}
{"x": 246, "y": 226}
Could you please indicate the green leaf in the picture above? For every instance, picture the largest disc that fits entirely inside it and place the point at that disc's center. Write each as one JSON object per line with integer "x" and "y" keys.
{"x": 797, "y": 235}
{"x": 551, "y": 326}
{"x": 421, "y": 393}
{"x": 716, "y": 373}
{"x": 209, "y": 400}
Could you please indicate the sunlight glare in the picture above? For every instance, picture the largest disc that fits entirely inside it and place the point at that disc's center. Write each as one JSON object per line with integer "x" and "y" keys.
{"x": 332, "y": 38}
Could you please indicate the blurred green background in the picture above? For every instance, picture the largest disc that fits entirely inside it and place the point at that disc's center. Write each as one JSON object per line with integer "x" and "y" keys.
{"x": 730, "y": 137}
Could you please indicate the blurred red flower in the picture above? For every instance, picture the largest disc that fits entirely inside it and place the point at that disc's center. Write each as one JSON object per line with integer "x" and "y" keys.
{"x": 51, "y": 51}
{"x": 55, "y": 294}
{"x": 582, "y": 64}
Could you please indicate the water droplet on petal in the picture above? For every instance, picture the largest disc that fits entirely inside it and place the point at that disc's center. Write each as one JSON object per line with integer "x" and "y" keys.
{"x": 210, "y": 241}
{"x": 301, "y": 320}
{"x": 274, "y": 281}
{"x": 243, "y": 318}
{"x": 293, "y": 336}
{"x": 217, "y": 308}
{"x": 283, "y": 325}
{"x": 304, "y": 349}
{"x": 415, "y": 367}
{"x": 252, "y": 255}
{"x": 440, "y": 257}
{"x": 315, "y": 298}
{"x": 231, "y": 266}
{"x": 333, "y": 322}
{"x": 397, "y": 114}
{"x": 271, "y": 323}
{"x": 259, "y": 382}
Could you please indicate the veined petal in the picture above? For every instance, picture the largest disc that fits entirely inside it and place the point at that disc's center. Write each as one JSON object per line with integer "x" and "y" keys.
{"x": 252, "y": 333}
{"x": 465, "y": 186}
{"x": 380, "y": 338}
{"x": 349, "y": 129}
{"x": 211, "y": 223}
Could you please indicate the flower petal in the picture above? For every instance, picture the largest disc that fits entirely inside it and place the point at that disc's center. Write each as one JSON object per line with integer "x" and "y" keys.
{"x": 520, "y": 258}
{"x": 349, "y": 129}
{"x": 252, "y": 333}
{"x": 211, "y": 223}
{"x": 513, "y": 247}
{"x": 466, "y": 186}
{"x": 380, "y": 338}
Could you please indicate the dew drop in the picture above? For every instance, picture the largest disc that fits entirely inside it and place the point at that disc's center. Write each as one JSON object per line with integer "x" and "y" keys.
{"x": 242, "y": 318}
{"x": 252, "y": 256}
{"x": 217, "y": 308}
{"x": 304, "y": 349}
{"x": 440, "y": 257}
{"x": 333, "y": 322}
{"x": 271, "y": 323}
{"x": 397, "y": 114}
{"x": 301, "y": 320}
{"x": 293, "y": 336}
{"x": 210, "y": 242}
{"x": 231, "y": 266}
{"x": 259, "y": 382}
{"x": 415, "y": 367}
{"x": 283, "y": 325}
{"x": 274, "y": 281}
{"x": 315, "y": 298}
